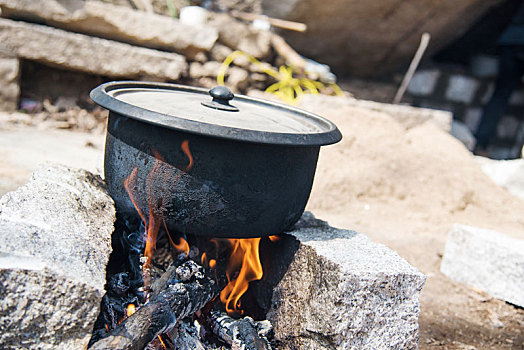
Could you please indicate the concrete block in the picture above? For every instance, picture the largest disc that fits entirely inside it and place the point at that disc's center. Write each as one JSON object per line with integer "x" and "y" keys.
{"x": 487, "y": 260}
{"x": 89, "y": 54}
{"x": 9, "y": 81}
{"x": 461, "y": 132}
{"x": 461, "y": 89}
{"x": 343, "y": 291}
{"x": 506, "y": 173}
{"x": 55, "y": 241}
{"x": 484, "y": 66}
{"x": 472, "y": 118}
{"x": 517, "y": 98}
{"x": 423, "y": 82}
{"x": 507, "y": 127}
{"x": 116, "y": 23}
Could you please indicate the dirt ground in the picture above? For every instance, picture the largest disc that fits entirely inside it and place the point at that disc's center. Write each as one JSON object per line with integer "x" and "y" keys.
{"x": 403, "y": 188}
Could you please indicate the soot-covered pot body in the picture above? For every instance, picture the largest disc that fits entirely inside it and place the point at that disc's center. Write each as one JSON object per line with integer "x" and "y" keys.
{"x": 208, "y": 167}
{"x": 233, "y": 189}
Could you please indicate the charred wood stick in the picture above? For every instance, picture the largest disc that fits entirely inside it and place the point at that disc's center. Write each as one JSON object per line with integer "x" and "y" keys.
{"x": 244, "y": 333}
{"x": 186, "y": 291}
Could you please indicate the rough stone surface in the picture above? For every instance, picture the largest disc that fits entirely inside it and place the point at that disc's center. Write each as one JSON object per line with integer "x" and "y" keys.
{"x": 88, "y": 54}
{"x": 55, "y": 241}
{"x": 406, "y": 115}
{"x": 117, "y": 23}
{"x": 487, "y": 260}
{"x": 343, "y": 291}
{"x": 372, "y": 37}
{"x": 240, "y": 36}
{"x": 506, "y": 173}
{"x": 9, "y": 80}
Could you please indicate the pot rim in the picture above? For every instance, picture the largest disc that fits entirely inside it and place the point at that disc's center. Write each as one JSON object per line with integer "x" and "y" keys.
{"x": 100, "y": 95}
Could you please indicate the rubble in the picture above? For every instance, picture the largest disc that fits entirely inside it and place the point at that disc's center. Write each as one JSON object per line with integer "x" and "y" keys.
{"x": 89, "y": 54}
{"x": 116, "y": 23}
{"x": 343, "y": 291}
{"x": 487, "y": 260}
{"x": 9, "y": 80}
{"x": 55, "y": 241}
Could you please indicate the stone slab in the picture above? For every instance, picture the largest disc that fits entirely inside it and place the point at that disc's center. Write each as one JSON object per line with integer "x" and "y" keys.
{"x": 9, "y": 80}
{"x": 506, "y": 173}
{"x": 116, "y": 23}
{"x": 487, "y": 260}
{"x": 343, "y": 291}
{"x": 55, "y": 241}
{"x": 89, "y": 54}
{"x": 406, "y": 115}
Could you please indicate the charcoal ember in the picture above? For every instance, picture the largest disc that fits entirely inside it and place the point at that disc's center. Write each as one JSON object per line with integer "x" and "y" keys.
{"x": 244, "y": 333}
{"x": 119, "y": 284}
{"x": 185, "y": 272}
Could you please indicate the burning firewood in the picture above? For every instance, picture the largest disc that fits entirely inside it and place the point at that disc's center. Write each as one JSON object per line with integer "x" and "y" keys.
{"x": 244, "y": 333}
{"x": 180, "y": 292}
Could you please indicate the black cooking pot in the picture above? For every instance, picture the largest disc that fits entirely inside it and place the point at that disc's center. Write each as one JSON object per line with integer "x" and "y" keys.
{"x": 253, "y": 161}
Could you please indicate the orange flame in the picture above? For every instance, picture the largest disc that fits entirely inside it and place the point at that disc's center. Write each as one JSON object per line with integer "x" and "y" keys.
{"x": 130, "y": 309}
{"x": 246, "y": 260}
{"x": 162, "y": 342}
{"x": 156, "y": 204}
{"x": 274, "y": 238}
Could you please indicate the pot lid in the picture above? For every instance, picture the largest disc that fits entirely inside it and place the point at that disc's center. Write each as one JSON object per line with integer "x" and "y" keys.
{"x": 221, "y": 115}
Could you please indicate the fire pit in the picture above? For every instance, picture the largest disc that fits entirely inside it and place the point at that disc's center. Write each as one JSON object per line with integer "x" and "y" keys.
{"x": 214, "y": 178}
{"x": 223, "y": 166}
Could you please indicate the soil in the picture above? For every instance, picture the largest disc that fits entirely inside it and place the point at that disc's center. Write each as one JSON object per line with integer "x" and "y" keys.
{"x": 405, "y": 189}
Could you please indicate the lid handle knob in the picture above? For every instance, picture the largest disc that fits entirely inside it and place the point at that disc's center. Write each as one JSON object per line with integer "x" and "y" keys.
{"x": 221, "y": 97}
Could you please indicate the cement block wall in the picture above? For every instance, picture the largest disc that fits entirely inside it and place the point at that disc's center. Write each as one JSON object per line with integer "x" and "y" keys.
{"x": 464, "y": 91}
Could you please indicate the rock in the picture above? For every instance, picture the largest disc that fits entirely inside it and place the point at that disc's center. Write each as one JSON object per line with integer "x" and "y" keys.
{"x": 220, "y": 52}
{"x": 116, "y": 23}
{"x": 55, "y": 241}
{"x": 461, "y": 132}
{"x": 487, "y": 260}
{"x": 506, "y": 173}
{"x": 367, "y": 38}
{"x": 238, "y": 79}
{"x": 9, "y": 80}
{"x": 406, "y": 115}
{"x": 343, "y": 291}
{"x": 200, "y": 70}
{"x": 88, "y": 54}
{"x": 239, "y": 36}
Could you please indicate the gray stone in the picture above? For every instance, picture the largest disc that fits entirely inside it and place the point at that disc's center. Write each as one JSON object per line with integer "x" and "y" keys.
{"x": 484, "y": 66}
{"x": 507, "y": 127}
{"x": 55, "y": 241}
{"x": 9, "y": 80}
{"x": 88, "y": 54}
{"x": 208, "y": 69}
{"x": 406, "y": 115}
{"x": 487, "y": 260}
{"x": 220, "y": 52}
{"x": 240, "y": 36}
{"x": 506, "y": 173}
{"x": 370, "y": 38}
{"x": 461, "y": 132}
{"x": 472, "y": 118}
{"x": 423, "y": 82}
{"x": 343, "y": 291}
{"x": 116, "y": 23}
{"x": 517, "y": 98}
{"x": 461, "y": 89}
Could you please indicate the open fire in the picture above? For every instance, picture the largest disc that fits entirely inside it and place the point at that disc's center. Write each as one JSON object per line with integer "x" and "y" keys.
{"x": 234, "y": 262}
